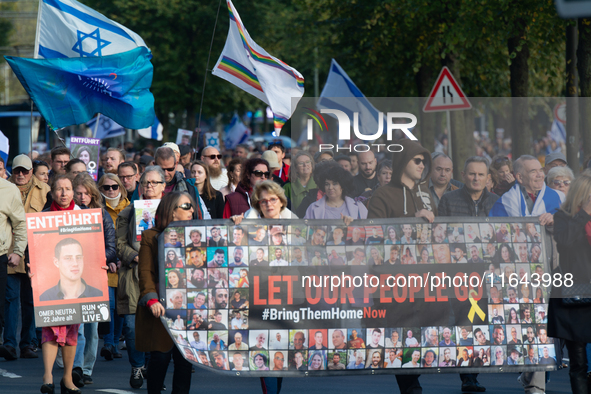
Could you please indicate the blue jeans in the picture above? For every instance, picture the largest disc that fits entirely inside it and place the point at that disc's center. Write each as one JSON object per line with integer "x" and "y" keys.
{"x": 136, "y": 358}
{"x": 19, "y": 294}
{"x": 116, "y": 323}
{"x": 87, "y": 347}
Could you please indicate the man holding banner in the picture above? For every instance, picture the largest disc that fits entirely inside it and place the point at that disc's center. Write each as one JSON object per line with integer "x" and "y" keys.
{"x": 411, "y": 166}
{"x": 471, "y": 200}
{"x": 530, "y": 197}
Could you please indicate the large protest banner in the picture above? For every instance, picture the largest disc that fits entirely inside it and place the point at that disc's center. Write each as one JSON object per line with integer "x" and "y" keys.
{"x": 67, "y": 251}
{"x": 87, "y": 150}
{"x": 402, "y": 296}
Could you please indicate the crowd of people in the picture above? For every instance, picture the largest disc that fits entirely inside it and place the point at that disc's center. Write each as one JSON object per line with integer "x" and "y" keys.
{"x": 273, "y": 184}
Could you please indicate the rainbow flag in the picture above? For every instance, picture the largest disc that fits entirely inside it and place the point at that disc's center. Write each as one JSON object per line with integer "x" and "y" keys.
{"x": 245, "y": 64}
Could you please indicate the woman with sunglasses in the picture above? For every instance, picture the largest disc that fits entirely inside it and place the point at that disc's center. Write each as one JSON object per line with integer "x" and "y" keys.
{"x": 213, "y": 199}
{"x": 87, "y": 195}
{"x": 560, "y": 178}
{"x": 502, "y": 168}
{"x": 151, "y": 335}
{"x": 114, "y": 197}
{"x": 151, "y": 187}
{"x": 255, "y": 171}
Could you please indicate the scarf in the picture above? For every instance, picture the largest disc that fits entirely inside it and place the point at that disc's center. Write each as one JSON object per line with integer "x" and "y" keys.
{"x": 55, "y": 207}
{"x": 512, "y": 203}
{"x": 113, "y": 202}
{"x": 25, "y": 189}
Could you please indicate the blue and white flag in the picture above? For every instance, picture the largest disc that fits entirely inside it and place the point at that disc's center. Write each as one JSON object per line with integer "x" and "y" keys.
{"x": 236, "y": 133}
{"x": 153, "y": 132}
{"x": 70, "y": 91}
{"x": 512, "y": 203}
{"x": 106, "y": 128}
{"x": 342, "y": 94}
{"x": 67, "y": 28}
{"x": 558, "y": 132}
{"x": 4, "y": 147}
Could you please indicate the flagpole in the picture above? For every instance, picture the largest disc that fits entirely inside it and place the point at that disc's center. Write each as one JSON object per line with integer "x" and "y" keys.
{"x": 207, "y": 69}
{"x": 31, "y": 137}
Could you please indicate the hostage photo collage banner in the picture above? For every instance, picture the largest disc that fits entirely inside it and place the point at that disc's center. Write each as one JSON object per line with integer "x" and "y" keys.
{"x": 306, "y": 297}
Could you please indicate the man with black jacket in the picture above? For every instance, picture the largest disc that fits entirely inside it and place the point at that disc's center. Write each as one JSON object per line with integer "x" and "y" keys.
{"x": 471, "y": 200}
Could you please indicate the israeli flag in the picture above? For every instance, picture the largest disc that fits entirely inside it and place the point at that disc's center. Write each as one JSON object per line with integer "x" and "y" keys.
{"x": 153, "y": 132}
{"x": 4, "y": 148}
{"x": 558, "y": 132}
{"x": 67, "y": 28}
{"x": 342, "y": 94}
{"x": 106, "y": 128}
{"x": 236, "y": 133}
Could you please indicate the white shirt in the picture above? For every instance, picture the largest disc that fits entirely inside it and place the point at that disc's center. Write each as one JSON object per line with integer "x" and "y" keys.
{"x": 276, "y": 263}
{"x": 395, "y": 364}
{"x": 221, "y": 181}
{"x": 410, "y": 342}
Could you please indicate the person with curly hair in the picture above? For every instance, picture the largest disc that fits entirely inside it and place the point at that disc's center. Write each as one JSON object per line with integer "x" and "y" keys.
{"x": 336, "y": 184}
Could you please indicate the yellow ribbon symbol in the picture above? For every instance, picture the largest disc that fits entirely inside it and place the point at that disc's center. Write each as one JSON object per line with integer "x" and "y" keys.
{"x": 475, "y": 307}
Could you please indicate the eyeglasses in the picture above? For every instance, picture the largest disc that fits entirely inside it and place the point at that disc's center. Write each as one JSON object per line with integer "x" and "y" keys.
{"x": 20, "y": 170}
{"x": 172, "y": 169}
{"x": 213, "y": 157}
{"x": 418, "y": 161}
{"x": 110, "y": 187}
{"x": 151, "y": 183}
{"x": 124, "y": 177}
{"x": 270, "y": 201}
{"x": 278, "y": 358}
{"x": 185, "y": 206}
{"x": 555, "y": 182}
{"x": 261, "y": 174}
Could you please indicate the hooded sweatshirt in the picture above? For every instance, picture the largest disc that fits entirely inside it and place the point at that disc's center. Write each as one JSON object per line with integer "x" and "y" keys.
{"x": 395, "y": 200}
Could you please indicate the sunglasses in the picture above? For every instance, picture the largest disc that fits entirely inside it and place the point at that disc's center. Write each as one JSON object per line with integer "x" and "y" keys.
{"x": 20, "y": 170}
{"x": 418, "y": 161}
{"x": 172, "y": 169}
{"x": 555, "y": 182}
{"x": 185, "y": 206}
{"x": 110, "y": 187}
{"x": 260, "y": 174}
{"x": 213, "y": 157}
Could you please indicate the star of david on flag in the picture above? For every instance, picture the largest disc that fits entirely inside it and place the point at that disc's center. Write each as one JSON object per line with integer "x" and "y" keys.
{"x": 67, "y": 28}
{"x": 100, "y": 43}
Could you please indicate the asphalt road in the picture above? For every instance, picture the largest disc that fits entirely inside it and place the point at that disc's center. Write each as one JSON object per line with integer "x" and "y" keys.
{"x": 25, "y": 376}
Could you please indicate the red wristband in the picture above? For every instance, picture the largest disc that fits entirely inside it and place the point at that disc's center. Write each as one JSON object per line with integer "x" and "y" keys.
{"x": 152, "y": 302}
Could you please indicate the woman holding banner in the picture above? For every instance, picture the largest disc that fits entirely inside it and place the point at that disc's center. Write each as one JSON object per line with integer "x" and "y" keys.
{"x": 153, "y": 337}
{"x": 336, "y": 183}
{"x": 152, "y": 184}
{"x": 66, "y": 337}
{"x": 87, "y": 195}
